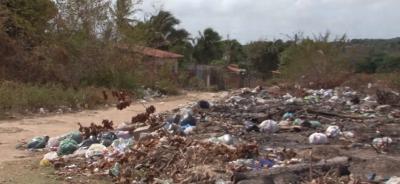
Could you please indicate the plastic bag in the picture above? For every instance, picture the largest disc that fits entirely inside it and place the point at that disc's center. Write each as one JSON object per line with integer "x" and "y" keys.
{"x": 318, "y": 138}
{"x": 269, "y": 126}
{"x": 106, "y": 138}
{"x": 76, "y": 136}
{"x": 188, "y": 119}
{"x": 67, "y": 146}
{"x": 95, "y": 150}
{"x": 53, "y": 143}
{"x": 333, "y": 131}
{"x": 38, "y": 142}
{"x": 122, "y": 144}
{"x": 50, "y": 156}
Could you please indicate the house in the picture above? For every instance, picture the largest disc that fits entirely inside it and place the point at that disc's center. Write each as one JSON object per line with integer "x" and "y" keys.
{"x": 220, "y": 77}
{"x": 155, "y": 59}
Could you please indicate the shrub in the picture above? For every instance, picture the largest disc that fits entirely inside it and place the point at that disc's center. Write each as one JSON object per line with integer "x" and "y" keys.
{"x": 315, "y": 63}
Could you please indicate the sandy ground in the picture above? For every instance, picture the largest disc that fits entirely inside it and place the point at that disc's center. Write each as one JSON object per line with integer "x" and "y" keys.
{"x": 14, "y": 131}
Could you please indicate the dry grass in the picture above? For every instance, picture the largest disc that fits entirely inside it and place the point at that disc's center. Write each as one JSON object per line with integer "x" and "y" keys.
{"x": 20, "y": 97}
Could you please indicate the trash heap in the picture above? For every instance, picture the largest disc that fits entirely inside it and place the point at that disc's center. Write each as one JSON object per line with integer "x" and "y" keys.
{"x": 246, "y": 136}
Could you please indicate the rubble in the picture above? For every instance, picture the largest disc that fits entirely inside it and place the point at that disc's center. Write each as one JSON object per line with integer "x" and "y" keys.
{"x": 248, "y": 135}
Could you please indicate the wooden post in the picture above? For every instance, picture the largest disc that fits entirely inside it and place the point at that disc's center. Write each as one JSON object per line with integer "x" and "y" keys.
{"x": 208, "y": 79}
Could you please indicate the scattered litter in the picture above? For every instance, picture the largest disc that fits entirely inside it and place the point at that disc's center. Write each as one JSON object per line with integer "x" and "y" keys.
{"x": 348, "y": 134}
{"x": 269, "y": 126}
{"x": 76, "y": 136}
{"x": 203, "y": 104}
{"x": 288, "y": 116}
{"x": 38, "y": 142}
{"x": 44, "y": 163}
{"x": 106, "y": 138}
{"x": 188, "y": 129}
{"x": 96, "y": 150}
{"x": 382, "y": 143}
{"x": 67, "y": 146}
{"x": 122, "y": 145}
{"x": 284, "y": 123}
{"x": 188, "y": 119}
{"x": 393, "y": 180}
{"x": 53, "y": 143}
{"x": 115, "y": 170}
{"x": 51, "y": 156}
{"x": 225, "y": 139}
{"x": 250, "y": 126}
{"x": 318, "y": 138}
{"x": 88, "y": 142}
{"x": 218, "y": 141}
{"x": 333, "y": 131}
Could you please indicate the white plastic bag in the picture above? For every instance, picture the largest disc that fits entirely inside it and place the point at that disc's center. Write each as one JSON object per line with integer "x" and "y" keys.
{"x": 269, "y": 126}
{"x": 333, "y": 131}
{"x": 318, "y": 138}
{"x": 95, "y": 150}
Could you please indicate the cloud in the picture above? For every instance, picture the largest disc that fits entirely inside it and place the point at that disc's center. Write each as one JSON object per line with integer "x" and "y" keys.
{"x": 249, "y": 20}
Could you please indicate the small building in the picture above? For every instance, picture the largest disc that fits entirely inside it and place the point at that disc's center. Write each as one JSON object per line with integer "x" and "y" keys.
{"x": 155, "y": 59}
{"x": 220, "y": 77}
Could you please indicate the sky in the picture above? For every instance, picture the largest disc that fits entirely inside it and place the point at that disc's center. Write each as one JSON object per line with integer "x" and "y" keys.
{"x": 250, "y": 20}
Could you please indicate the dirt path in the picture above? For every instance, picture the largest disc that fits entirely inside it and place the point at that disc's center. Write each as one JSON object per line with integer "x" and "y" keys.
{"x": 11, "y": 132}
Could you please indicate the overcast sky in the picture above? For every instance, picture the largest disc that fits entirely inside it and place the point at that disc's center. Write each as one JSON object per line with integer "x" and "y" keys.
{"x": 248, "y": 20}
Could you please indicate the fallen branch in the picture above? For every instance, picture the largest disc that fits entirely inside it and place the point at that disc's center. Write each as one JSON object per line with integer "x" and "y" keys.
{"x": 313, "y": 111}
{"x": 329, "y": 164}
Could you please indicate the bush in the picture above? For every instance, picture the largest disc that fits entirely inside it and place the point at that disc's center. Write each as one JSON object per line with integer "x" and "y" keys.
{"x": 315, "y": 63}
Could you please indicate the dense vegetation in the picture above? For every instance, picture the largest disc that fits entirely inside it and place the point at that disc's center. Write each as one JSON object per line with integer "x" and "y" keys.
{"x": 72, "y": 46}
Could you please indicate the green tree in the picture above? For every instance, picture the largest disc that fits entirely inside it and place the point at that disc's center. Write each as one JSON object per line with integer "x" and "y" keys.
{"x": 233, "y": 52}
{"x": 263, "y": 56}
{"x": 28, "y": 20}
{"x": 123, "y": 13}
{"x": 208, "y": 47}
{"x": 164, "y": 34}
{"x": 85, "y": 19}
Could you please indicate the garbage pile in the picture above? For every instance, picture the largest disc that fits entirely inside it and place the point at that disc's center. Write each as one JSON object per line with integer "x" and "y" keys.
{"x": 247, "y": 135}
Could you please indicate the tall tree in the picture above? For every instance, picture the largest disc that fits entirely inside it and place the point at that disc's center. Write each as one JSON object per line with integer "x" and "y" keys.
{"x": 163, "y": 31}
{"x": 263, "y": 56}
{"x": 123, "y": 13}
{"x": 28, "y": 19}
{"x": 233, "y": 52}
{"x": 86, "y": 17}
{"x": 208, "y": 47}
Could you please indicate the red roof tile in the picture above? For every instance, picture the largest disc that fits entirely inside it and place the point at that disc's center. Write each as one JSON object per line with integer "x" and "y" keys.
{"x": 157, "y": 53}
{"x": 235, "y": 68}
{"x": 147, "y": 51}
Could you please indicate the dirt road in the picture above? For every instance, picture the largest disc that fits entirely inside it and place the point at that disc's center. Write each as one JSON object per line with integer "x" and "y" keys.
{"x": 12, "y": 132}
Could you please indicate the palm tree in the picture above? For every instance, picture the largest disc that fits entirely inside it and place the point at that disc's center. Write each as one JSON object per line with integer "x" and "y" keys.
{"x": 164, "y": 32}
{"x": 123, "y": 12}
{"x": 208, "y": 47}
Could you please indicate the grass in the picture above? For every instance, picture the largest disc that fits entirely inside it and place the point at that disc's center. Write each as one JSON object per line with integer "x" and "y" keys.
{"x": 18, "y": 97}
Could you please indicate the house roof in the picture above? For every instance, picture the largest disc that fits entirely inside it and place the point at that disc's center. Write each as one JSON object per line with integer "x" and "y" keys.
{"x": 235, "y": 68}
{"x": 151, "y": 52}
{"x": 157, "y": 53}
